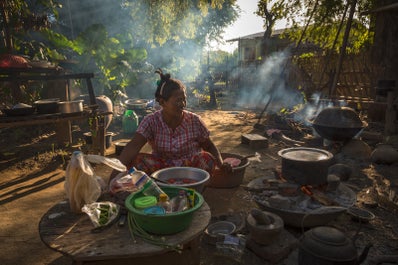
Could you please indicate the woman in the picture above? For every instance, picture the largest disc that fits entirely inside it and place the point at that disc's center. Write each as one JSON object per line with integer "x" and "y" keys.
{"x": 177, "y": 137}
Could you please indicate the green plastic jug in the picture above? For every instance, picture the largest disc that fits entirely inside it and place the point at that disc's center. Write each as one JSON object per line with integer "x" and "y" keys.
{"x": 129, "y": 122}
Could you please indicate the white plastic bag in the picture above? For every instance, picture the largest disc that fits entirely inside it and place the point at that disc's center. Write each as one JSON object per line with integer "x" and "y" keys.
{"x": 81, "y": 184}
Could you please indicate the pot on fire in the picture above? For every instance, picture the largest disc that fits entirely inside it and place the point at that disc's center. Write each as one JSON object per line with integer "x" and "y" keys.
{"x": 338, "y": 123}
{"x": 305, "y": 166}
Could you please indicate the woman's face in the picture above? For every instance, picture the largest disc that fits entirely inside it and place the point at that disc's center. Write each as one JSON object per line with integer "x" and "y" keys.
{"x": 176, "y": 103}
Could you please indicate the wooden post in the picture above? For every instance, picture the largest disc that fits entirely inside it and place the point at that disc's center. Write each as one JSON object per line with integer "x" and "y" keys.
{"x": 391, "y": 115}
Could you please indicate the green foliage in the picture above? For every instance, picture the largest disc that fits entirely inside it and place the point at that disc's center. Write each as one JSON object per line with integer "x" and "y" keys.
{"x": 122, "y": 42}
{"x": 323, "y": 18}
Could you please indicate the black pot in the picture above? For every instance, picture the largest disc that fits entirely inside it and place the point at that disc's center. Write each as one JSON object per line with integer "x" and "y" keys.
{"x": 305, "y": 166}
{"x": 328, "y": 246}
{"x": 338, "y": 123}
{"x": 335, "y": 133}
{"x": 119, "y": 146}
{"x": 47, "y": 106}
{"x": 108, "y": 138}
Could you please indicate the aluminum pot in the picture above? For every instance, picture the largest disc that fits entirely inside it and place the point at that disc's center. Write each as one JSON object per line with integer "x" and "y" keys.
{"x": 325, "y": 245}
{"x": 74, "y": 106}
{"x": 198, "y": 176}
{"x": 305, "y": 166}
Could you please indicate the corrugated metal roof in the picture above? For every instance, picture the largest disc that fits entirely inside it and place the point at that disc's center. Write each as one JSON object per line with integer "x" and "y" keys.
{"x": 258, "y": 35}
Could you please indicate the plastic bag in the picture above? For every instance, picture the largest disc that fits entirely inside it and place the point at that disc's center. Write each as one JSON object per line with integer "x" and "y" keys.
{"x": 122, "y": 182}
{"x": 101, "y": 213}
{"x": 110, "y": 162}
{"x": 81, "y": 185}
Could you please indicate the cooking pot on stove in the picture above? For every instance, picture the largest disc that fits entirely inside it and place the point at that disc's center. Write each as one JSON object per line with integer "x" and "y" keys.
{"x": 338, "y": 123}
{"x": 305, "y": 166}
{"x": 325, "y": 245}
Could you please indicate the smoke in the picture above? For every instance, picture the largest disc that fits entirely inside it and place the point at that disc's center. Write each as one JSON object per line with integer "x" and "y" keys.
{"x": 268, "y": 80}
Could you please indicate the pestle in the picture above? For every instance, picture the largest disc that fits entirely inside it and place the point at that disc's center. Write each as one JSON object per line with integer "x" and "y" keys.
{"x": 260, "y": 217}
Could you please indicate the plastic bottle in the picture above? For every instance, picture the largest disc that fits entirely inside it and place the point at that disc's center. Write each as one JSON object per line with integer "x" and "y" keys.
{"x": 165, "y": 203}
{"x": 150, "y": 188}
{"x": 144, "y": 182}
{"x": 180, "y": 202}
{"x": 129, "y": 122}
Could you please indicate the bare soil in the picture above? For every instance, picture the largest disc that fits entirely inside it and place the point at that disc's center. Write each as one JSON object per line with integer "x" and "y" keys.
{"x": 32, "y": 178}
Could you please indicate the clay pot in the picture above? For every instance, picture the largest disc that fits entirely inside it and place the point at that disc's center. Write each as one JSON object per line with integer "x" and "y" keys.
{"x": 341, "y": 170}
{"x": 384, "y": 154}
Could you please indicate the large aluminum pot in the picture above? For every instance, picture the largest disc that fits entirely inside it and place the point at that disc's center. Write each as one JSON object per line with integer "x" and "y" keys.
{"x": 74, "y": 106}
{"x": 305, "y": 166}
{"x": 177, "y": 176}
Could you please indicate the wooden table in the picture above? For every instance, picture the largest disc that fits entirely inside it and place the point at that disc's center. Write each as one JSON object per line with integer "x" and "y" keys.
{"x": 72, "y": 235}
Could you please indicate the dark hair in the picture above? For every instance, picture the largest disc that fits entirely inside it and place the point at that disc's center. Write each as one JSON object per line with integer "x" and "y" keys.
{"x": 166, "y": 85}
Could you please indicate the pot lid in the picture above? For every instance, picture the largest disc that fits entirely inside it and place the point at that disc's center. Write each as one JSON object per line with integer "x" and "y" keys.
{"x": 305, "y": 154}
{"x": 328, "y": 243}
{"x": 341, "y": 117}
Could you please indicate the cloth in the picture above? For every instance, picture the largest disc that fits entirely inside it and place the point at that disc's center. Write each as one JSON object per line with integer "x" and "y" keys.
{"x": 178, "y": 147}
{"x": 178, "y": 144}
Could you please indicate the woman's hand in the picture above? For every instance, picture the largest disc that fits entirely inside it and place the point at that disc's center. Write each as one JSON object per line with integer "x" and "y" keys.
{"x": 226, "y": 167}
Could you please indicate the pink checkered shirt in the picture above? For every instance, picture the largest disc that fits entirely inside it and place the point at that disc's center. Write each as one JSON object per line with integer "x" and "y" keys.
{"x": 176, "y": 145}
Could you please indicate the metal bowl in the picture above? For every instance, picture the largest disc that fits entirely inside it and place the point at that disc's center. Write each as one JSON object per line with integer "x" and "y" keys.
{"x": 199, "y": 177}
{"x": 216, "y": 232}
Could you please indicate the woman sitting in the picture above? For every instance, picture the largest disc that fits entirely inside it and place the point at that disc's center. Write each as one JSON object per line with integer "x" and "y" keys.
{"x": 177, "y": 137}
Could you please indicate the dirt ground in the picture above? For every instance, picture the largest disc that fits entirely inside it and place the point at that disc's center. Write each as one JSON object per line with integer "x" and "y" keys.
{"x": 32, "y": 178}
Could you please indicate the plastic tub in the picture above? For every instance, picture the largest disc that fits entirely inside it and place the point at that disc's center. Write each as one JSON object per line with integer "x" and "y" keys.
{"x": 170, "y": 223}
{"x": 221, "y": 180}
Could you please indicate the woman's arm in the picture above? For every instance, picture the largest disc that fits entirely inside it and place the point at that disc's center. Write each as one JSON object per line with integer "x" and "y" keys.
{"x": 130, "y": 151}
{"x": 210, "y": 147}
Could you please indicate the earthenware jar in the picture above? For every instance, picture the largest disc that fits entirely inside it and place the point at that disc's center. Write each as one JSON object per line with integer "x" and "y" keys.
{"x": 384, "y": 154}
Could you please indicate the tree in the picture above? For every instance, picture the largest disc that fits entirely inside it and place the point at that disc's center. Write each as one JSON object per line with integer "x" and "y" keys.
{"x": 173, "y": 34}
{"x": 20, "y": 18}
{"x": 270, "y": 16}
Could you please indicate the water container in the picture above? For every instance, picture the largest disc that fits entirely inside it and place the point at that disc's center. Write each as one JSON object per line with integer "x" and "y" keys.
{"x": 129, "y": 122}
{"x": 180, "y": 202}
{"x": 164, "y": 202}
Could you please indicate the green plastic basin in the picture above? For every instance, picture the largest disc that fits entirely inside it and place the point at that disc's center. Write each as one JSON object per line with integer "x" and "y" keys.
{"x": 170, "y": 223}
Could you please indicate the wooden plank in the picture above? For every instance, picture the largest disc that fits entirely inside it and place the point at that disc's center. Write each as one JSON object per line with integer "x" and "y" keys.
{"x": 72, "y": 234}
{"x": 254, "y": 140}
